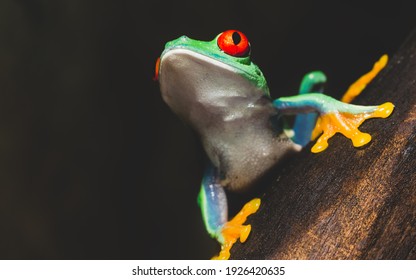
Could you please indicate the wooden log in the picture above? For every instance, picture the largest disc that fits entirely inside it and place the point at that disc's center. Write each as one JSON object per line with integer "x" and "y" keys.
{"x": 348, "y": 203}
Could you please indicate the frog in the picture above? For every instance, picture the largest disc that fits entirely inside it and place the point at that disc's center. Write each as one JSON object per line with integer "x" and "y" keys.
{"x": 216, "y": 88}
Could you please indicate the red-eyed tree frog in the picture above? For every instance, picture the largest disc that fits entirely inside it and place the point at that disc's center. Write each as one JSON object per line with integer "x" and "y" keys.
{"x": 216, "y": 88}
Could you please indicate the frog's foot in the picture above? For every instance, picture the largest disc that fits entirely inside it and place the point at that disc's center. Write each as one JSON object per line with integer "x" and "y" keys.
{"x": 235, "y": 229}
{"x": 347, "y": 123}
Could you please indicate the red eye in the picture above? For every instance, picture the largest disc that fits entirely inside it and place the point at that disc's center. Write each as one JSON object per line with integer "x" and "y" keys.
{"x": 234, "y": 42}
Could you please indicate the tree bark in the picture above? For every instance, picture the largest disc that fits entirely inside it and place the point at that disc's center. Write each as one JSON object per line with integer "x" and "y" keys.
{"x": 348, "y": 203}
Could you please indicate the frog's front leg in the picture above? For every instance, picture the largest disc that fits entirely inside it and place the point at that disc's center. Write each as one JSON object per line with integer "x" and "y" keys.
{"x": 334, "y": 116}
{"x": 213, "y": 203}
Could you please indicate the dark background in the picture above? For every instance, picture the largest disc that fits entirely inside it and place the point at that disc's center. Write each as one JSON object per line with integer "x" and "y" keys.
{"x": 92, "y": 163}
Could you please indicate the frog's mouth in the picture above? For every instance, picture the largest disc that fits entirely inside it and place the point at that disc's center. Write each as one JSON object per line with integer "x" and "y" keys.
{"x": 197, "y": 55}
{"x": 217, "y": 61}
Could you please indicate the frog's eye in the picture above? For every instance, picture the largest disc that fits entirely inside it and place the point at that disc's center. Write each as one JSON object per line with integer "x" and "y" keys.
{"x": 234, "y": 42}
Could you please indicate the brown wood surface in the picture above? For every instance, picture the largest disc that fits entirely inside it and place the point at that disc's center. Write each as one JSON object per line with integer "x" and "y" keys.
{"x": 348, "y": 203}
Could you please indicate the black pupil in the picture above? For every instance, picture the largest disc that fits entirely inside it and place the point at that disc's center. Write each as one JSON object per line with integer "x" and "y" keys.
{"x": 236, "y": 38}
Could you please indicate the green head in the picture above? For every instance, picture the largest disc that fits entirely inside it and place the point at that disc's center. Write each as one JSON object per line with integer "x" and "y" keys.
{"x": 230, "y": 47}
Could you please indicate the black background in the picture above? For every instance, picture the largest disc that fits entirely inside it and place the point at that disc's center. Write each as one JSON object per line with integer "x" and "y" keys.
{"x": 92, "y": 163}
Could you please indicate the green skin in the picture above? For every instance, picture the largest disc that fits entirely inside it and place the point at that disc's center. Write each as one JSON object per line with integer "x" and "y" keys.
{"x": 258, "y": 139}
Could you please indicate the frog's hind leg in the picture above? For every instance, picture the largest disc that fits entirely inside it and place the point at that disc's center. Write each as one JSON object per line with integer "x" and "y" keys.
{"x": 359, "y": 85}
{"x": 213, "y": 203}
{"x": 305, "y": 123}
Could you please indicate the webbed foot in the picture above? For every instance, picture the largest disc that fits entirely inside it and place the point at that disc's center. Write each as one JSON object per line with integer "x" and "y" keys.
{"x": 235, "y": 229}
{"x": 347, "y": 123}
{"x": 334, "y": 116}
